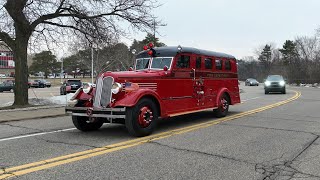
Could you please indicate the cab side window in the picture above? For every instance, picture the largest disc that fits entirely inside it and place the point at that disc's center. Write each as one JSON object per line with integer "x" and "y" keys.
{"x": 227, "y": 65}
{"x": 183, "y": 62}
{"x": 208, "y": 63}
{"x": 218, "y": 64}
{"x": 198, "y": 63}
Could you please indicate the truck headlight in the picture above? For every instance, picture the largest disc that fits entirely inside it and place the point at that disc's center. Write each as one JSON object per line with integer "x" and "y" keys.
{"x": 282, "y": 83}
{"x": 116, "y": 88}
{"x": 267, "y": 83}
{"x": 87, "y": 89}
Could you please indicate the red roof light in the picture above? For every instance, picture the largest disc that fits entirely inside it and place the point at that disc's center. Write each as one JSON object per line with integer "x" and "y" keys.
{"x": 145, "y": 47}
{"x": 150, "y": 45}
{"x": 150, "y": 52}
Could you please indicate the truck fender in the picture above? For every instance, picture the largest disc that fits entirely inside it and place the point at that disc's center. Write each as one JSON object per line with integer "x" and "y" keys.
{"x": 220, "y": 92}
{"x": 133, "y": 97}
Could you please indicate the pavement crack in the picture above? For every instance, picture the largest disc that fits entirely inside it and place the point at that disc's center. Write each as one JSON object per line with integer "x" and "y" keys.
{"x": 267, "y": 128}
{"x": 66, "y": 143}
{"x": 22, "y": 127}
{"x": 285, "y": 168}
{"x": 201, "y": 153}
{"x": 288, "y": 119}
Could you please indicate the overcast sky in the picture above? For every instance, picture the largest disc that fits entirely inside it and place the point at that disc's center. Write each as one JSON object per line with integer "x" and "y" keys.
{"x": 236, "y": 27}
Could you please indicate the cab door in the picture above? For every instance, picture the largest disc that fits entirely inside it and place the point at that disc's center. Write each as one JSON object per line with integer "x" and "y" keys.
{"x": 180, "y": 95}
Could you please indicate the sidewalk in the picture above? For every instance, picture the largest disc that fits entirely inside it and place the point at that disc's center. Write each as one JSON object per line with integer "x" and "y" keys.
{"x": 31, "y": 113}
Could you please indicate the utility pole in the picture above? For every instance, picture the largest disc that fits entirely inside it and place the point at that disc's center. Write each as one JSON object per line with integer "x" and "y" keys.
{"x": 154, "y": 31}
{"x": 92, "y": 63}
{"x": 61, "y": 73}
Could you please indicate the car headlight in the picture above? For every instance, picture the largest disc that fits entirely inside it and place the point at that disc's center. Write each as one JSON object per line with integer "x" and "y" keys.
{"x": 116, "y": 88}
{"x": 282, "y": 83}
{"x": 267, "y": 83}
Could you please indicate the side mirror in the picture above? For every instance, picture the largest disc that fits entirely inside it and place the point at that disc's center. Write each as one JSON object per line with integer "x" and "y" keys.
{"x": 165, "y": 68}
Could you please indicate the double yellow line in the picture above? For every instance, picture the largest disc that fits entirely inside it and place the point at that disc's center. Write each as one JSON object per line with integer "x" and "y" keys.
{"x": 49, "y": 163}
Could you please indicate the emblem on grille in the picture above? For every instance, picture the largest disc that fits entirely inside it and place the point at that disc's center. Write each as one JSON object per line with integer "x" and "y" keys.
{"x": 89, "y": 111}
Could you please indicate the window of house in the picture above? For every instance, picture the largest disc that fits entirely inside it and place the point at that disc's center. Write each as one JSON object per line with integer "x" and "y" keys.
{"x": 183, "y": 62}
{"x": 198, "y": 63}
{"x": 208, "y": 63}
{"x": 227, "y": 65}
{"x": 218, "y": 64}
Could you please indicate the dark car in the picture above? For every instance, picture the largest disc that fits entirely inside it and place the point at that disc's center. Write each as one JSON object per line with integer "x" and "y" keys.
{"x": 6, "y": 86}
{"x": 275, "y": 83}
{"x": 251, "y": 82}
{"x": 39, "y": 83}
{"x": 71, "y": 85}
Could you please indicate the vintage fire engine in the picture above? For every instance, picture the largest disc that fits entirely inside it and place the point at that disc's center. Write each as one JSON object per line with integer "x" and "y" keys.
{"x": 165, "y": 82}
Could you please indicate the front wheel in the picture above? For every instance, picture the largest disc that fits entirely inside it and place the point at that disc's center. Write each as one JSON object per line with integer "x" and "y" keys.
{"x": 223, "y": 106}
{"x": 142, "y": 119}
{"x": 82, "y": 123}
{"x": 284, "y": 91}
{"x": 266, "y": 92}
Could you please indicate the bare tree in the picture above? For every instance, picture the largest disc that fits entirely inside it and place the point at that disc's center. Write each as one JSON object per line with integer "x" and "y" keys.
{"x": 52, "y": 21}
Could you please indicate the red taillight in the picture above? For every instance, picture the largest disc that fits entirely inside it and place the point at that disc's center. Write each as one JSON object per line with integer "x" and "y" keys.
{"x": 150, "y": 45}
{"x": 145, "y": 47}
{"x": 150, "y": 52}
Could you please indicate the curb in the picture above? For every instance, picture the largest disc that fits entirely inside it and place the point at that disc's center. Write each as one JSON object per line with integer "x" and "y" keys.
{"x": 33, "y": 118}
{"x": 32, "y": 108}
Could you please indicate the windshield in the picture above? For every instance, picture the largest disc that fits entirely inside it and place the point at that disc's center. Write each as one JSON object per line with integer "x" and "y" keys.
{"x": 74, "y": 82}
{"x": 274, "y": 78}
{"x": 157, "y": 63}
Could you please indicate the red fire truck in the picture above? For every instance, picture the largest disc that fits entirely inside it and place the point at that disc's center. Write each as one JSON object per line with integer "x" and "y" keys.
{"x": 165, "y": 82}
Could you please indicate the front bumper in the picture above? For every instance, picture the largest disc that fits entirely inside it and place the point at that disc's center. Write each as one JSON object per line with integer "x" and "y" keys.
{"x": 274, "y": 88}
{"x": 110, "y": 113}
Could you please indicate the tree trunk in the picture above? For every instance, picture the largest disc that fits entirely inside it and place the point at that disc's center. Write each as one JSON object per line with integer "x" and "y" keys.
{"x": 21, "y": 71}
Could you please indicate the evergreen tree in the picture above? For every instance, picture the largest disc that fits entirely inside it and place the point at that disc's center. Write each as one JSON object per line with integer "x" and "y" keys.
{"x": 45, "y": 62}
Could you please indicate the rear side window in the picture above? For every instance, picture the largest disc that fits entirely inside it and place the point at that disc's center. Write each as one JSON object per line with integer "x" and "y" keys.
{"x": 183, "y": 62}
{"x": 218, "y": 64}
{"x": 198, "y": 63}
{"x": 227, "y": 65}
{"x": 208, "y": 63}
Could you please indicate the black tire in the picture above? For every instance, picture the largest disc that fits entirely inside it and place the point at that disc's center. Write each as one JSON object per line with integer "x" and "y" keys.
{"x": 223, "y": 108}
{"x": 266, "y": 92}
{"x": 284, "y": 91}
{"x": 133, "y": 118}
{"x": 80, "y": 122}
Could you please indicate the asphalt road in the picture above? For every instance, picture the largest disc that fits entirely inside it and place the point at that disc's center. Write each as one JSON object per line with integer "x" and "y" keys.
{"x": 279, "y": 141}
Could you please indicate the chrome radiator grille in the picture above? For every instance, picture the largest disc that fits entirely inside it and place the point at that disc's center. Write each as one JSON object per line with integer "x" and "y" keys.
{"x": 103, "y": 92}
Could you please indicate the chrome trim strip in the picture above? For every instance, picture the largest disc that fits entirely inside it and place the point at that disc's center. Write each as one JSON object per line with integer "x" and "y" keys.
{"x": 181, "y": 97}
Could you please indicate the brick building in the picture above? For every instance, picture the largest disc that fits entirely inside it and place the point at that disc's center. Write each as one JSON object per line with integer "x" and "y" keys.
{"x": 6, "y": 60}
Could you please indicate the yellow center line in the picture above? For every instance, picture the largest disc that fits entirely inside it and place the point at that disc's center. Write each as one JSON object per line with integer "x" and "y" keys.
{"x": 49, "y": 163}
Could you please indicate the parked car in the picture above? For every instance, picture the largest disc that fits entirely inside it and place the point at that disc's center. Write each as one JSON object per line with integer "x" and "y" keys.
{"x": 70, "y": 85}
{"x": 251, "y": 82}
{"x": 275, "y": 83}
{"x": 40, "y": 83}
{"x": 47, "y": 83}
{"x": 3, "y": 76}
{"x": 7, "y": 86}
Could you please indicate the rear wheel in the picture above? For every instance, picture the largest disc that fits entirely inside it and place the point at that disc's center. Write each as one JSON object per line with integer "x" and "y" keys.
{"x": 223, "y": 106}
{"x": 82, "y": 123}
{"x": 142, "y": 119}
